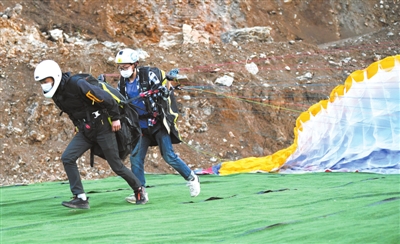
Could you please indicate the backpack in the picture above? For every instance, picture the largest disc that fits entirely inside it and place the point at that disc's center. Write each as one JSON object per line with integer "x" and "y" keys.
{"x": 130, "y": 132}
{"x": 169, "y": 109}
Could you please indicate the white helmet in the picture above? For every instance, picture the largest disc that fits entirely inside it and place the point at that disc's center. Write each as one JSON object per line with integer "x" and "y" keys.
{"x": 48, "y": 68}
{"x": 127, "y": 56}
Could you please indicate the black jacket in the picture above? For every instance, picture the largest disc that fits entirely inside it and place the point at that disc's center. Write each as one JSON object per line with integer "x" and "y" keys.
{"x": 79, "y": 99}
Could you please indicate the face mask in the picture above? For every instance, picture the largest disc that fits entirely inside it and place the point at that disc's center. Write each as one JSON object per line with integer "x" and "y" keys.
{"x": 46, "y": 87}
{"x": 126, "y": 73}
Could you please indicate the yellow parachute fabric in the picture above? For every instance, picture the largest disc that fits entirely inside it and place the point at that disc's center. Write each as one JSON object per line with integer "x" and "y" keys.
{"x": 379, "y": 94}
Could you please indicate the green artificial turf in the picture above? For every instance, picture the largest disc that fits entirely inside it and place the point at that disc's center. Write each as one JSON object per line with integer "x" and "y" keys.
{"x": 242, "y": 208}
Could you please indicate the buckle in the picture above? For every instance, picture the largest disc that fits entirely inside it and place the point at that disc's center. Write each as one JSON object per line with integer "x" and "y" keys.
{"x": 96, "y": 114}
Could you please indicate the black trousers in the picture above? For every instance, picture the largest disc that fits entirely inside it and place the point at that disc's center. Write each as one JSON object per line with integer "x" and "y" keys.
{"x": 108, "y": 143}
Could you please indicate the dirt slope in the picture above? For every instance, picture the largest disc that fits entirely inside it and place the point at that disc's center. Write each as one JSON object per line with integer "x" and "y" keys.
{"x": 302, "y": 51}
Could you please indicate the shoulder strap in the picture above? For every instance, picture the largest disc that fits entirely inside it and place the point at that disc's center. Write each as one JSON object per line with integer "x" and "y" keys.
{"x": 74, "y": 78}
{"x": 90, "y": 79}
{"x": 159, "y": 73}
{"x": 122, "y": 86}
{"x": 58, "y": 97}
{"x": 144, "y": 78}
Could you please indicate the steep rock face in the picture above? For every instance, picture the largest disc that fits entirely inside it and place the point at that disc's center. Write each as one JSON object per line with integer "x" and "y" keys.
{"x": 135, "y": 22}
{"x": 266, "y": 49}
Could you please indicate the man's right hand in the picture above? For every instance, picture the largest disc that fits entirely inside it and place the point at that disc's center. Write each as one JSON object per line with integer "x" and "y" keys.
{"x": 116, "y": 125}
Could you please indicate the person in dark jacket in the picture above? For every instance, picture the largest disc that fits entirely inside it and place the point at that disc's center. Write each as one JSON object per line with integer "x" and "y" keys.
{"x": 95, "y": 115}
{"x": 157, "y": 129}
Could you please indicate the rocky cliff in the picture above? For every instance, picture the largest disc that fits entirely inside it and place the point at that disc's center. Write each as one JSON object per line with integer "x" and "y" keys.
{"x": 249, "y": 68}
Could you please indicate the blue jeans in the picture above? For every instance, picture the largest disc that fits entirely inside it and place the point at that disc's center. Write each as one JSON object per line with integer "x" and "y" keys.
{"x": 163, "y": 140}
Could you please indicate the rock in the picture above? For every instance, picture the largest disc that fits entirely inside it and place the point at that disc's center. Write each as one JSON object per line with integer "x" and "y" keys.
{"x": 191, "y": 36}
{"x": 258, "y": 33}
{"x": 252, "y": 68}
{"x": 225, "y": 80}
{"x": 56, "y": 34}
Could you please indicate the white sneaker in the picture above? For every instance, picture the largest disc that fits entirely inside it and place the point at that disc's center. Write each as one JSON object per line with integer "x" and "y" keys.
{"x": 132, "y": 199}
{"x": 194, "y": 186}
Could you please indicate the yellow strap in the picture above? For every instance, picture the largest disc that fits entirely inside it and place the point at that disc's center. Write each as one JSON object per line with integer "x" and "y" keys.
{"x": 105, "y": 88}
{"x": 93, "y": 98}
{"x": 163, "y": 79}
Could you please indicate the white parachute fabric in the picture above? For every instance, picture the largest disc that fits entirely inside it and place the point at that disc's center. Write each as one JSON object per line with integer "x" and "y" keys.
{"x": 357, "y": 130}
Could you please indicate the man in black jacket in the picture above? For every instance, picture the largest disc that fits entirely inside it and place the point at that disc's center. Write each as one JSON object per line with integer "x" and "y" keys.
{"x": 95, "y": 115}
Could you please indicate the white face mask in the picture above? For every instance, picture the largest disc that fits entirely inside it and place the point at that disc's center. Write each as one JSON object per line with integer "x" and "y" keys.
{"x": 127, "y": 73}
{"x": 47, "y": 87}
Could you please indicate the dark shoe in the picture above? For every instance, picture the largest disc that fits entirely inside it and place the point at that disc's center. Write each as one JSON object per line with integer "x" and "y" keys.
{"x": 77, "y": 203}
{"x": 132, "y": 198}
{"x": 141, "y": 196}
